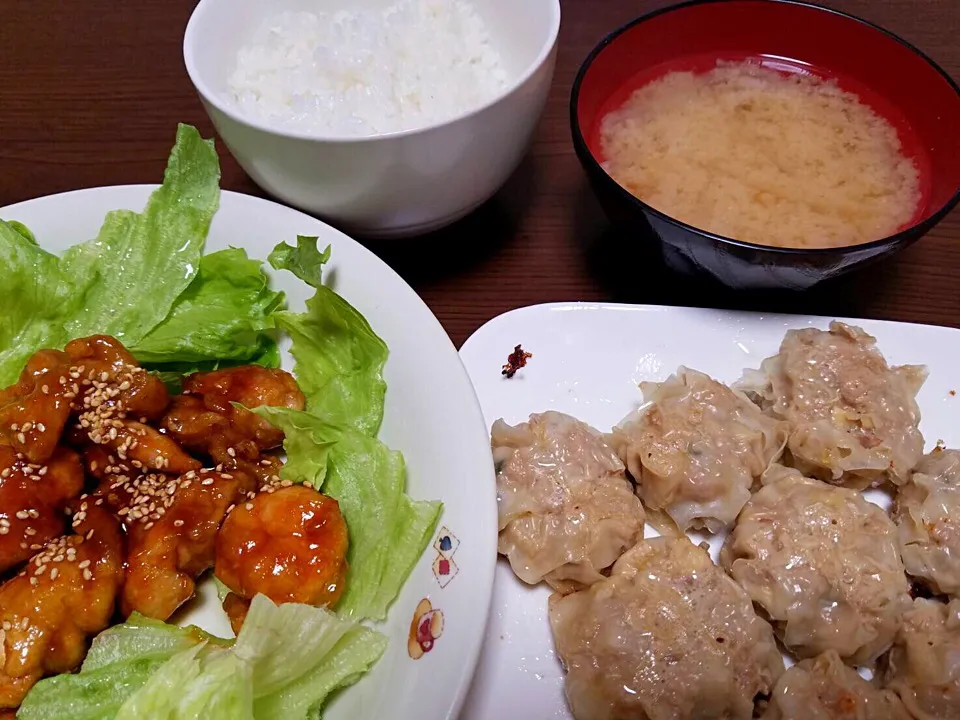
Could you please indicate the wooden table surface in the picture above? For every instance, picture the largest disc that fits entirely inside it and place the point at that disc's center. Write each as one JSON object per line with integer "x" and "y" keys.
{"x": 90, "y": 94}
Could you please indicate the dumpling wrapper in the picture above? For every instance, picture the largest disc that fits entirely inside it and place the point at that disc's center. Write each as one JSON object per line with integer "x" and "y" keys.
{"x": 923, "y": 666}
{"x": 854, "y": 419}
{"x": 566, "y": 508}
{"x": 823, "y": 688}
{"x": 824, "y": 565}
{"x": 668, "y": 635}
{"x": 696, "y": 448}
{"x": 927, "y": 513}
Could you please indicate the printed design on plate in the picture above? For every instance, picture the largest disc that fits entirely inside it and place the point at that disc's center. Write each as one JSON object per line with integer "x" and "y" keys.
{"x": 425, "y": 628}
{"x": 444, "y": 568}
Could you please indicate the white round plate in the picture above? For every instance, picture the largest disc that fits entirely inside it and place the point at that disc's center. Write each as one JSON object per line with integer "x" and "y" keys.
{"x": 432, "y": 416}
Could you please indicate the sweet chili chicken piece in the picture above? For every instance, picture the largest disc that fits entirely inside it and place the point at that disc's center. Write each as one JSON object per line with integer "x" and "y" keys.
{"x": 66, "y": 594}
{"x": 172, "y": 525}
{"x": 101, "y": 360}
{"x": 32, "y": 500}
{"x": 34, "y": 410}
{"x": 289, "y": 543}
{"x": 204, "y": 419}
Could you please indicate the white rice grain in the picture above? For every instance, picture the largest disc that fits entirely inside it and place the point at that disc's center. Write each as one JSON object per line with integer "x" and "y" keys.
{"x": 412, "y": 64}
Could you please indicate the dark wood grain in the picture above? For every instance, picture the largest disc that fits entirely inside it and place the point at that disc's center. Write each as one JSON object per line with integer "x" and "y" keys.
{"x": 91, "y": 91}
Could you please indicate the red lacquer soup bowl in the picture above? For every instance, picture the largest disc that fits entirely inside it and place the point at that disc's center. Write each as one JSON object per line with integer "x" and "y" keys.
{"x": 898, "y": 81}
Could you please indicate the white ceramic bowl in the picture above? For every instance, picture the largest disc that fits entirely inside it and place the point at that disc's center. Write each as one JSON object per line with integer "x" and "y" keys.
{"x": 393, "y": 185}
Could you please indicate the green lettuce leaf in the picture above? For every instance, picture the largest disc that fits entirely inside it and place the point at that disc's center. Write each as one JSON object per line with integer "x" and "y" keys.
{"x": 305, "y": 260}
{"x": 222, "y": 316}
{"x": 388, "y": 530}
{"x": 121, "y": 661}
{"x": 140, "y": 263}
{"x": 284, "y": 665}
{"x": 283, "y": 642}
{"x": 94, "y": 695}
{"x": 36, "y": 295}
{"x": 339, "y": 358}
{"x": 195, "y": 684}
{"x": 304, "y": 698}
{"x": 141, "y": 637}
{"x": 124, "y": 282}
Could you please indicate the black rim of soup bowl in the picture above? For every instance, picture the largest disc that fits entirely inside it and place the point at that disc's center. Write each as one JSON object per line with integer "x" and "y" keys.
{"x": 845, "y": 257}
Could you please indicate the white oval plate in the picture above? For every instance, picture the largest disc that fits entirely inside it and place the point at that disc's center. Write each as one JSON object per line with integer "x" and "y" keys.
{"x": 587, "y": 361}
{"x": 432, "y": 416}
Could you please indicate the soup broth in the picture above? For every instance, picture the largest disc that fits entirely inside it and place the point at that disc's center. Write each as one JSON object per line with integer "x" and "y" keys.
{"x": 750, "y": 153}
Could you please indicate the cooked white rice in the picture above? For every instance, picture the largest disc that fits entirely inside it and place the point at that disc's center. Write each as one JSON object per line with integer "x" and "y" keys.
{"x": 368, "y": 72}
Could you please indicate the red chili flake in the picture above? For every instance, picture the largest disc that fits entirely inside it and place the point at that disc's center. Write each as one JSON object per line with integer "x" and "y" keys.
{"x": 515, "y": 360}
{"x": 953, "y": 393}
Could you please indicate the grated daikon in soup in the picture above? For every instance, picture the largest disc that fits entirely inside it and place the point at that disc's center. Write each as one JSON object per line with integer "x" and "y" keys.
{"x": 749, "y": 153}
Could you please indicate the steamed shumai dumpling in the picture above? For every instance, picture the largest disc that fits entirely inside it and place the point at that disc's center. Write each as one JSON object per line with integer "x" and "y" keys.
{"x": 823, "y": 688}
{"x": 824, "y": 565}
{"x": 923, "y": 666}
{"x": 854, "y": 419}
{"x": 696, "y": 448}
{"x": 667, "y": 636}
{"x": 566, "y": 508}
{"x": 927, "y": 512}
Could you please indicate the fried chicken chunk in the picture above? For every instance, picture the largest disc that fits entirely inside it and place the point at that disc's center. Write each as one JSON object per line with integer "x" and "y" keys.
{"x": 101, "y": 359}
{"x": 66, "y": 594}
{"x": 172, "y": 524}
{"x": 289, "y": 544}
{"x": 204, "y": 420}
{"x": 34, "y": 411}
{"x": 32, "y": 501}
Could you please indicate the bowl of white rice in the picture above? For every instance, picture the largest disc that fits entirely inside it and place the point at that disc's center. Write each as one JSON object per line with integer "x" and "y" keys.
{"x": 388, "y": 118}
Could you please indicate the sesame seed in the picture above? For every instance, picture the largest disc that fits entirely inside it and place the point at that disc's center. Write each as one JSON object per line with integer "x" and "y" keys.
{"x": 249, "y": 506}
{"x": 89, "y": 534}
{"x": 54, "y": 573}
{"x": 26, "y": 426}
{"x": 4, "y": 530}
{"x": 14, "y": 427}
{"x": 84, "y": 564}
{"x": 29, "y": 531}
{"x": 178, "y": 523}
{"x": 148, "y": 526}
{"x": 207, "y": 481}
{"x": 5, "y": 473}
{"x": 104, "y": 376}
{"x": 41, "y": 427}
{"x": 42, "y": 471}
{"x": 21, "y": 438}
{"x": 22, "y": 515}
{"x": 34, "y": 581}
{"x": 226, "y": 476}
{"x": 87, "y": 575}
{"x": 231, "y": 452}
{"x": 45, "y": 389}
